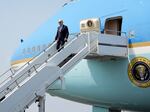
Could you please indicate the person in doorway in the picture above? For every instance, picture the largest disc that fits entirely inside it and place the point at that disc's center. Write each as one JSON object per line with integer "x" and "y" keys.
{"x": 62, "y": 35}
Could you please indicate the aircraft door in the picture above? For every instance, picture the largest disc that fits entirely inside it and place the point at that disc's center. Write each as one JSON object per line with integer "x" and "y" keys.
{"x": 113, "y": 26}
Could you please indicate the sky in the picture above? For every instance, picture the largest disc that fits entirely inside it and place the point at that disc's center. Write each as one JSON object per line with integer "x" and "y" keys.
{"x": 18, "y": 19}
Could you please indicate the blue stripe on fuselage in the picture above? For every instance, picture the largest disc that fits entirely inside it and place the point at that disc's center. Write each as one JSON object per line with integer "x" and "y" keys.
{"x": 73, "y": 13}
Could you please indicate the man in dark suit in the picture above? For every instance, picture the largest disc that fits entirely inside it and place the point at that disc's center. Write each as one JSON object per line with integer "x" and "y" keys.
{"x": 62, "y": 35}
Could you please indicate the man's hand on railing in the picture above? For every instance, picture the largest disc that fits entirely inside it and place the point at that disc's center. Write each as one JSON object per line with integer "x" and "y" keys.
{"x": 65, "y": 40}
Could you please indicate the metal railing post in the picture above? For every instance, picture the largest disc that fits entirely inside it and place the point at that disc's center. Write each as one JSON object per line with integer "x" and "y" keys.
{"x": 41, "y": 104}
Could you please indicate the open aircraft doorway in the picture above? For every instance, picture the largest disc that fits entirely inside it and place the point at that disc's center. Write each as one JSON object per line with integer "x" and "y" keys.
{"x": 113, "y": 26}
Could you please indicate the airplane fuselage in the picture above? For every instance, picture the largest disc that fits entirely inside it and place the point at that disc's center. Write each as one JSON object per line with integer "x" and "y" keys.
{"x": 103, "y": 83}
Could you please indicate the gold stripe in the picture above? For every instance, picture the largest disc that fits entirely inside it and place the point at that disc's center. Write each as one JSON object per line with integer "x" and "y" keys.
{"x": 21, "y": 61}
{"x": 141, "y": 44}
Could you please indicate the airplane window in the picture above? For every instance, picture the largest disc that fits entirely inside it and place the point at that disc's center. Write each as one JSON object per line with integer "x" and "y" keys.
{"x": 24, "y": 51}
{"x": 29, "y": 50}
{"x": 44, "y": 46}
{"x": 33, "y": 49}
{"x": 38, "y": 48}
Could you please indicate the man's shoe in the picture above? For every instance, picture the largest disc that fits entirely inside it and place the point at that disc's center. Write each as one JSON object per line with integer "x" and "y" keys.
{"x": 2, "y": 98}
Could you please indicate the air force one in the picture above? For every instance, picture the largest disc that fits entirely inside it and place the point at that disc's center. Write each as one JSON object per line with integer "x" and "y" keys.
{"x": 105, "y": 63}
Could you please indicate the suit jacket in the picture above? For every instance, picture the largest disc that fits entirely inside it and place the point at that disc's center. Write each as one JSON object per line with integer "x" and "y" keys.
{"x": 62, "y": 33}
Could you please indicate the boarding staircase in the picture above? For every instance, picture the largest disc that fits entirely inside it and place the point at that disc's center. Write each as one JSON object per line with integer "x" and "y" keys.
{"x": 18, "y": 90}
